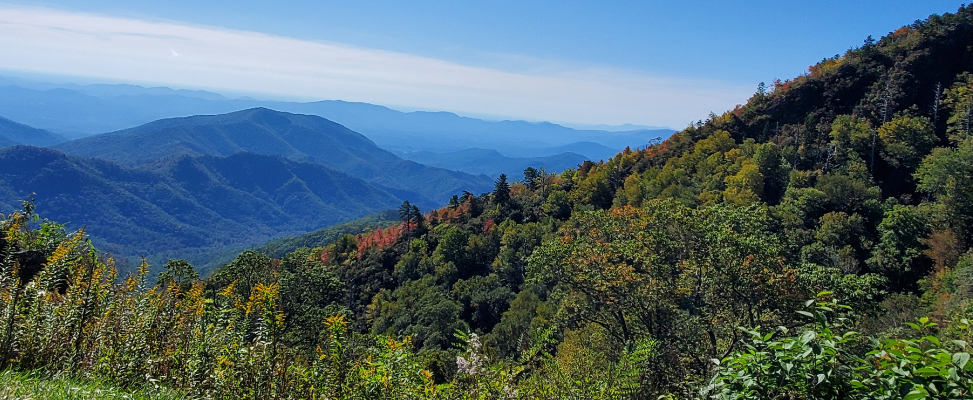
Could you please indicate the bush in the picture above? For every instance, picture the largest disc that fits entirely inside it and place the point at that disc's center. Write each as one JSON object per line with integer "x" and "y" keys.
{"x": 818, "y": 361}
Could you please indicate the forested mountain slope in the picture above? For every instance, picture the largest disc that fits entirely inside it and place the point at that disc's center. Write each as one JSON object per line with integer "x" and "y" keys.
{"x": 813, "y": 243}
{"x": 281, "y": 247}
{"x": 262, "y": 131}
{"x": 12, "y": 134}
{"x": 189, "y": 205}
{"x": 854, "y": 178}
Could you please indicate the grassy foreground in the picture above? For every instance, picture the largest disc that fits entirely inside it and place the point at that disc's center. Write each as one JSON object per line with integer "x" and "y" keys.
{"x": 21, "y": 385}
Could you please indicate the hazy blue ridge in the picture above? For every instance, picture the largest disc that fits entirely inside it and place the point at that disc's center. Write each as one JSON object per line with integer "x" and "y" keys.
{"x": 189, "y": 204}
{"x": 77, "y": 111}
{"x": 298, "y": 137}
{"x": 491, "y": 163}
{"x": 12, "y": 134}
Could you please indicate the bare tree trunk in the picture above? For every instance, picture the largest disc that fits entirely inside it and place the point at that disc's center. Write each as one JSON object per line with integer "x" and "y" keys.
{"x": 886, "y": 108}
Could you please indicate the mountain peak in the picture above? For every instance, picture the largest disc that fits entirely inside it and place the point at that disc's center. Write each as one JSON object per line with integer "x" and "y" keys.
{"x": 266, "y": 116}
{"x": 269, "y": 132}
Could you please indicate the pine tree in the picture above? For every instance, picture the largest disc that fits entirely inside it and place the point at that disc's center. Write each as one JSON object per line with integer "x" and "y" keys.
{"x": 405, "y": 211}
{"x": 530, "y": 177}
{"x": 416, "y": 215}
{"x": 501, "y": 194}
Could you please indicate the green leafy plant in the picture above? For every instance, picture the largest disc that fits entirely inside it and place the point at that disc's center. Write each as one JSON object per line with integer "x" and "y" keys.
{"x": 816, "y": 363}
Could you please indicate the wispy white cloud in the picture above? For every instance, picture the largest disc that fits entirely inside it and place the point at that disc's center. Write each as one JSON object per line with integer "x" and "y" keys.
{"x": 126, "y": 49}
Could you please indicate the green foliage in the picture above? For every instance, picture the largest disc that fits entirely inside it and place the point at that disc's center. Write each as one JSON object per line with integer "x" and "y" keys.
{"x": 840, "y": 242}
{"x": 851, "y": 192}
{"x": 229, "y": 343}
{"x": 558, "y": 205}
{"x": 419, "y": 310}
{"x": 385, "y": 369}
{"x": 586, "y": 366}
{"x": 947, "y": 174}
{"x": 906, "y": 140}
{"x": 278, "y": 248}
{"x": 853, "y": 137}
{"x": 308, "y": 295}
{"x": 948, "y": 291}
{"x": 816, "y": 363}
{"x": 920, "y": 366}
{"x": 860, "y": 291}
{"x": 531, "y": 176}
{"x": 517, "y": 243}
{"x": 899, "y": 251}
{"x": 244, "y": 273}
{"x": 501, "y": 191}
{"x": 685, "y": 277}
{"x": 18, "y": 385}
{"x": 959, "y": 99}
{"x": 178, "y": 272}
{"x": 521, "y": 325}
{"x": 485, "y": 298}
{"x": 820, "y": 362}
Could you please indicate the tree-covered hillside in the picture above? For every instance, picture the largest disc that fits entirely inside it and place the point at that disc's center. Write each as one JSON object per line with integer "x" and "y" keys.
{"x": 298, "y": 137}
{"x": 188, "y": 206}
{"x": 13, "y": 134}
{"x": 280, "y": 247}
{"x": 812, "y": 243}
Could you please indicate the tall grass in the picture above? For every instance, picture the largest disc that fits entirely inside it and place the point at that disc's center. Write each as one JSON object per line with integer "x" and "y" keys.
{"x": 23, "y": 385}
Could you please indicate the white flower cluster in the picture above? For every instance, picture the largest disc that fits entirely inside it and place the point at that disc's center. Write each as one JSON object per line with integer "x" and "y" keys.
{"x": 473, "y": 363}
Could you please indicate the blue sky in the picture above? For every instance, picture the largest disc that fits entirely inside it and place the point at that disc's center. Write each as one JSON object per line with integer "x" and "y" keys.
{"x": 643, "y": 62}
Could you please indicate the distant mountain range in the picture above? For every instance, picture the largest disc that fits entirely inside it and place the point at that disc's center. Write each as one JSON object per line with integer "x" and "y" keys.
{"x": 168, "y": 181}
{"x": 197, "y": 186}
{"x": 297, "y": 137}
{"x": 491, "y": 162}
{"x": 12, "y": 134}
{"x": 614, "y": 128}
{"x": 77, "y": 111}
{"x": 189, "y": 204}
{"x": 591, "y": 150}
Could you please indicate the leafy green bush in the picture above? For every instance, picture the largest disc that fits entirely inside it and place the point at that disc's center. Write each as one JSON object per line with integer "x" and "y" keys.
{"x": 819, "y": 361}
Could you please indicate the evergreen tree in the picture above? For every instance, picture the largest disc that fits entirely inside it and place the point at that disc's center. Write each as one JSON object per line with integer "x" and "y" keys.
{"x": 416, "y": 215}
{"x": 530, "y": 177}
{"x": 501, "y": 194}
{"x": 405, "y": 211}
